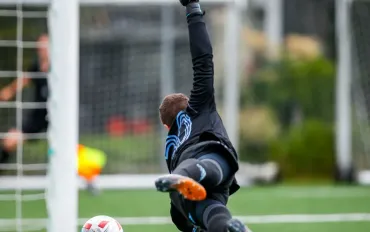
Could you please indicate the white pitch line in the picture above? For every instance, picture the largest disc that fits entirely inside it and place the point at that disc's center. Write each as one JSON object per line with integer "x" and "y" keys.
{"x": 312, "y": 194}
{"x": 258, "y": 219}
{"x": 255, "y": 219}
{"x": 305, "y": 218}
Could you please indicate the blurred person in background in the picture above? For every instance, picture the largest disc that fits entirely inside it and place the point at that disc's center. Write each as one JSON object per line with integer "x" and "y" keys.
{"x": 90, "y": 160}
{"x": 36, "y": 121}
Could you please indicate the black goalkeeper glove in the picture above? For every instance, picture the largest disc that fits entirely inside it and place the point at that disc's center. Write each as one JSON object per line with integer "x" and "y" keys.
{"x": 192, "y": 7}
{"x": 186, "y": 2}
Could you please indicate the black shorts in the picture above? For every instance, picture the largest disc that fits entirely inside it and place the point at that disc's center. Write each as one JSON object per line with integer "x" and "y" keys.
{"x": 35, "y": 122}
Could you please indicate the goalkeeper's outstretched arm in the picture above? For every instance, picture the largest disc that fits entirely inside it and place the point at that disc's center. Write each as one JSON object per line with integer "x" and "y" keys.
{"x": 202, "y": 94}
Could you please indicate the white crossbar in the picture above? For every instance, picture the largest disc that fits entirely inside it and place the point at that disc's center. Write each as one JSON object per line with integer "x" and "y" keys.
{"x": 107, "y": 2}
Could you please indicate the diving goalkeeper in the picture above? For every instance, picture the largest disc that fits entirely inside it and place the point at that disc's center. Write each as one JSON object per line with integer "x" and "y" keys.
{"x": 199, "y": 154}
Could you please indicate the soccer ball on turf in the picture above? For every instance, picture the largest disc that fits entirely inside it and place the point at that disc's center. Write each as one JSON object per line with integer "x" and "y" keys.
{"x": 102, "y": 224}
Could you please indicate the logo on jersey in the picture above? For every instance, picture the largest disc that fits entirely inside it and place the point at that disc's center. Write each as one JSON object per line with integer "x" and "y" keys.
{"x": 183, "y": 123}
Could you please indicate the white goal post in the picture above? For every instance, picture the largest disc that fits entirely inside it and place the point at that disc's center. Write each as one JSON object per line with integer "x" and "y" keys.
{"x": 343, "y": 90}
{"x": 63, "y": 105}
{"x": 352, "y": 92}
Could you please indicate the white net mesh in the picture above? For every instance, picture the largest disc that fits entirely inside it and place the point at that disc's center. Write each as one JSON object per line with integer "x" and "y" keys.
{"x": 361, "y": 98}
{"x": 122, "y": 80}
{"x": 21, "y": 25}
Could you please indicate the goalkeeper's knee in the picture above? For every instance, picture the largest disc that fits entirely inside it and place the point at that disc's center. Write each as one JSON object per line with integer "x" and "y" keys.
{"x": 207, "y": 172}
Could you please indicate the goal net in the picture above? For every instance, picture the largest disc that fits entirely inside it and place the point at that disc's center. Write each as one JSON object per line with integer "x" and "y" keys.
{"x": 360, "y": 48}
{"x": 20, "y": 28}
{"x": 131, "y": 57}
{"x": 131, "y": 54}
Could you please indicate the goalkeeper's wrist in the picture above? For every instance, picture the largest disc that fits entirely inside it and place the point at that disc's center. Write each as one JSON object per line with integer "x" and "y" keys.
{"x": 193, "y": 8}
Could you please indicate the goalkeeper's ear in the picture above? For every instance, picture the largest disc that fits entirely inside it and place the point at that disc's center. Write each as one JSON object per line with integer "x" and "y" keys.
{"x": 167, "y": 127}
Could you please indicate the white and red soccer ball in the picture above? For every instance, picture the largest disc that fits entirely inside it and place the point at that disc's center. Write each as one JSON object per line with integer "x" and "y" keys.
{"x": 102, "y": 224}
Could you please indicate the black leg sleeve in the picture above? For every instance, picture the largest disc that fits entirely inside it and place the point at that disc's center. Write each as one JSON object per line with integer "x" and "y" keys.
{"x": 215, "y": 218}
{"x": 180, "y": 221}
{"x": 206, "y": 172}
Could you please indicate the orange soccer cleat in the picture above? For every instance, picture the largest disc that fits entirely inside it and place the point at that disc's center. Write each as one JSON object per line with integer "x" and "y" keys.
{"x": 186, "y": 186}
